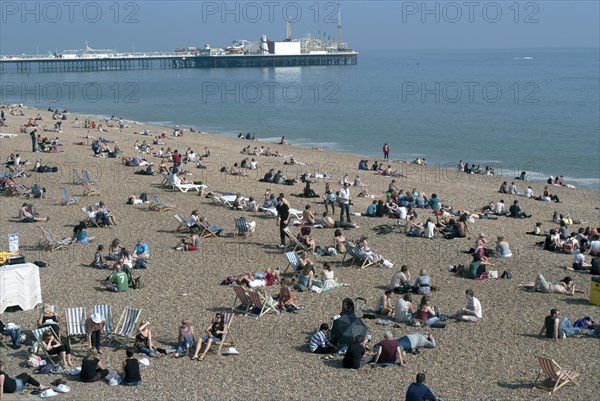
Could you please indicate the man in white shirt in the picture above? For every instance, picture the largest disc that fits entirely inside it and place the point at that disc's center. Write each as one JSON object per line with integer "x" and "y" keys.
{"x": 401, "y": 212}
{"x": 472, "y": 312}
{"x": 528, "y": 192}
{"x": 344, "y": 201}
{"x": 512, "y": 189}
{"x": 500, "y": 209}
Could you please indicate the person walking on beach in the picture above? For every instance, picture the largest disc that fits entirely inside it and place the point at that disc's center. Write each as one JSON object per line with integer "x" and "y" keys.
{"x": 344, "y": 202}
{"x": 386, "y": 151}
{"x": 418, "y": 391}
{"x": 283, "y": 212}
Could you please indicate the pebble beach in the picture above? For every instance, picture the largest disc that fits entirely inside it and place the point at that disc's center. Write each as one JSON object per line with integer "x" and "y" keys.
{"x": 493, "y": 359}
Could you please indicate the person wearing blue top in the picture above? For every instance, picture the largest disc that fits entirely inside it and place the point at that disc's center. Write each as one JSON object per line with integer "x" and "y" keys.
{"x": 418, "y": 391}
{"x": 434, "y": 202}
{"x": 372, "y": 209}
{"x": 141, "y": 250}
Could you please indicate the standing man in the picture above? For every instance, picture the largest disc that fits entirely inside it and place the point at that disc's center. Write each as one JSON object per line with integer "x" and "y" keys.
{"x": 418, "y": 391}
{"x": 283, "y": 213}
{"x": 344, "y": 201}
{"x": 33, "y": 140}
{"x": 386, "y": 151}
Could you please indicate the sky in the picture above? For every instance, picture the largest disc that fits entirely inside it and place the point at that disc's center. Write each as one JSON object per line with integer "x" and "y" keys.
{"x": 126, "y": 26}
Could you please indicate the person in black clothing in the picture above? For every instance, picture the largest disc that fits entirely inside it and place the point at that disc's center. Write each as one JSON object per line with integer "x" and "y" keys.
{"x": 595, "y": 270}
{"x": 92, "y": 368}
{"x": 130, "y": 374}
{"x": 10, "y": 385}
{"x": 380, "y": 210}
{"x": 283, "y": 213}
{"x": 516, "y": 211}
{"x": 418, "y": 391}
{"x": 268, "y": 176}
{"x": 550, "y": 327}
{"x": 355, "y": 356}
{"x": 33, "y": 140}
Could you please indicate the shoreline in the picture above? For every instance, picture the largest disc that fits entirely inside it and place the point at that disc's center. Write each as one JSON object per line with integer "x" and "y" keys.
{"x": 587, "y": 183}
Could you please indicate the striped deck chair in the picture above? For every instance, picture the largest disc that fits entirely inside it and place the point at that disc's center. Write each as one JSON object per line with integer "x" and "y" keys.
{"x": 52, "y": 244}
{"x": 241, "y": 295}
{"x": 294, "y": 244}
{"x": 261, "y": 302}
{"x": 90, "y": 219}
{"x": 77, "y": 178}
{"x": 39, "y": 336}
{"x": 205, "y": 231}
{"x": 292, "y": 261}
{"x": 553, "y": 370}
{"x": 87, "y": 177}
{"x": 227, "y": 339}
{"x": 67, "y": 200}
{"x": 104, "y": 311}
{"x": 364, "y": 259}
{"x": 75, "y": 320}
{"x": 128, "y": 321}
{"x": 242, "y": 227}
{"x": 184, "y": 226}
{"x": 90, "y": 190}
{"x": 159, "y": 205}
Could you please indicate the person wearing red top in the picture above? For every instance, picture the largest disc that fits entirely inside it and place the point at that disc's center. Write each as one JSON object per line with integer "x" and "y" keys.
{"x": 389, "y": 350}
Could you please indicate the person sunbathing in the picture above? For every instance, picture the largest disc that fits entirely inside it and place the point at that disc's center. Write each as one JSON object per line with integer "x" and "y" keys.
{"x": 566, "y": 286}
{"x": 214, "y": 334}
{"x": 25, "y": 215}
{"x": 308, "y": 216}
{"x": 49, "y": 319}
{"x": 339, "y": 242}
{"x": 329, "y": 222}
{"x": 54, "y": 347}
{"x": 305, "y": 278}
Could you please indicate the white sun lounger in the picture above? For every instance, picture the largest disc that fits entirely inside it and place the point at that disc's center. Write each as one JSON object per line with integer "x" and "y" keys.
{"x": 4, "y": 135}
{"x": 186, "y": 187}
{"x": 227, "y": 200}
{"x": 271, "y": 211}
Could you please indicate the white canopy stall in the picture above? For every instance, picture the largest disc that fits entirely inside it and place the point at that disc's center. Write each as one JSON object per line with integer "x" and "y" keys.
{"x": 20, "y": 286}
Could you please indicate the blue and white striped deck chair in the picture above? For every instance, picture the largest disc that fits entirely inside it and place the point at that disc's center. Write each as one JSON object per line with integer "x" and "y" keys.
{"x": 104, "y": 311}
{"x": 364, "y": 259}
{"x": 127, "y": 323}
{"x": 87, "y": 177}
{"x": 242, "y": 227}
{"x": 39, "y": 336}
{"x": 75, "y": 320}
{"x": 77, "y": 178}
{"x": 292, "y": 261}
{"x": 67, "y": 200}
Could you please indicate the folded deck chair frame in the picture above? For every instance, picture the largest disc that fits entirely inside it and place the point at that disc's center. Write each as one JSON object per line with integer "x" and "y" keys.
{"x": 51, "y": 244}
{"x": 158, "y": 205}
{"x": 553, "y": 370}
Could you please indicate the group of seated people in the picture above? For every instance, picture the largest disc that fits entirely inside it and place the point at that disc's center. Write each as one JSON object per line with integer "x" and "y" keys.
{"x": 472, "y": 169}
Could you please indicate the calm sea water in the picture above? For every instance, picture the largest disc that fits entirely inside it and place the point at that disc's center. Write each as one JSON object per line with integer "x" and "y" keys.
{"x": 537, "y": 110}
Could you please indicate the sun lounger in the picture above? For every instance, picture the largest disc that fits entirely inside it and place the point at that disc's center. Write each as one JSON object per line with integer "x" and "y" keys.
{"x": 271, "y": 211}
{"x": 90, "y": 217}
{"x": 186, "y": 187}
{"x": 9, "y": 136}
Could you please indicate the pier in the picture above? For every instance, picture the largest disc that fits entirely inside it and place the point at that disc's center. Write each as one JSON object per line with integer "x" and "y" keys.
{"x": 148, "y": 61}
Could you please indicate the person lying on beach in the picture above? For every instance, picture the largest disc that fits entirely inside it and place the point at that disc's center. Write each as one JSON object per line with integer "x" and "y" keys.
{"x": 388, "y": 351}
{"x": 566, "y": 286}
{"x": 329, "y": 222}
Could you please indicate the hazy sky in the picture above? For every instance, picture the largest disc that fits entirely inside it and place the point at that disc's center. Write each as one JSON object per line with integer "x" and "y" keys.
{"x": 26, "y": 26}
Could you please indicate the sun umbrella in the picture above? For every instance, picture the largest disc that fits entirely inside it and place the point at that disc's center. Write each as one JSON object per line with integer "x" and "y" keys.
{"x": 346, "y": 328}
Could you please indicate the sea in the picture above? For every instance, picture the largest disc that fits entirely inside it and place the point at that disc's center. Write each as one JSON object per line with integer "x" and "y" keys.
{"x": 536, "y": 110}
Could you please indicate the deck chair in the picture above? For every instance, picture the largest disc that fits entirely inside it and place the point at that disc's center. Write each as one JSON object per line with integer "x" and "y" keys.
{"x": 294, "y": 244}
{"x": 292, "y": 261}
{"x": 75, "y": 321}
{"x": 186, "y": 187}
{"x": 349, "y": 252}
{"x": 184, "y": 226}
{"x": 242, "y": 227}
{"x": 227, "y": 339}
{"x": 553, "y": 370}
{"x": 77, "y": 179}
{"x": 87, "y": 177}
{"x": 361, "y": 257}
{"x": 261, "y": 302}
{"x": 67, "y": 200}
{"x": 159, "y": 205}
{"x": 104, "y": 311}
{"x": 90, "y": 190}
{"x": 14, "y": 189}
{"x": 205, "y": 231}
{"x": 128, "y": 321}
{"x": 90, "y": 219}
{"x": 39, "y": 336}
{"x": 51, "y": 244}
{"x": 241, "y": 295}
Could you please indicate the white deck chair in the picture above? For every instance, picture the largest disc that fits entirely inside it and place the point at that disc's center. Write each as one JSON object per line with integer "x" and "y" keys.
{"x": 75, "y": 321}
{"x": 183, "y": 226}
{"x": 128, "y": 321}
{"x": 104, "y": 311}
{"x": 67, "y": 199}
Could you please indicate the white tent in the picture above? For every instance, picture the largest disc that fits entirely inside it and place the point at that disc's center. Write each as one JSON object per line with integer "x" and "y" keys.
{"x": 20, "y": 286}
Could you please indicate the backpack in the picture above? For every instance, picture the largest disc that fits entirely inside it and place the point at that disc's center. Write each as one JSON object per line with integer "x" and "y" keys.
{"x": 36, "y": 191}
{"x": 138, "y": 284}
